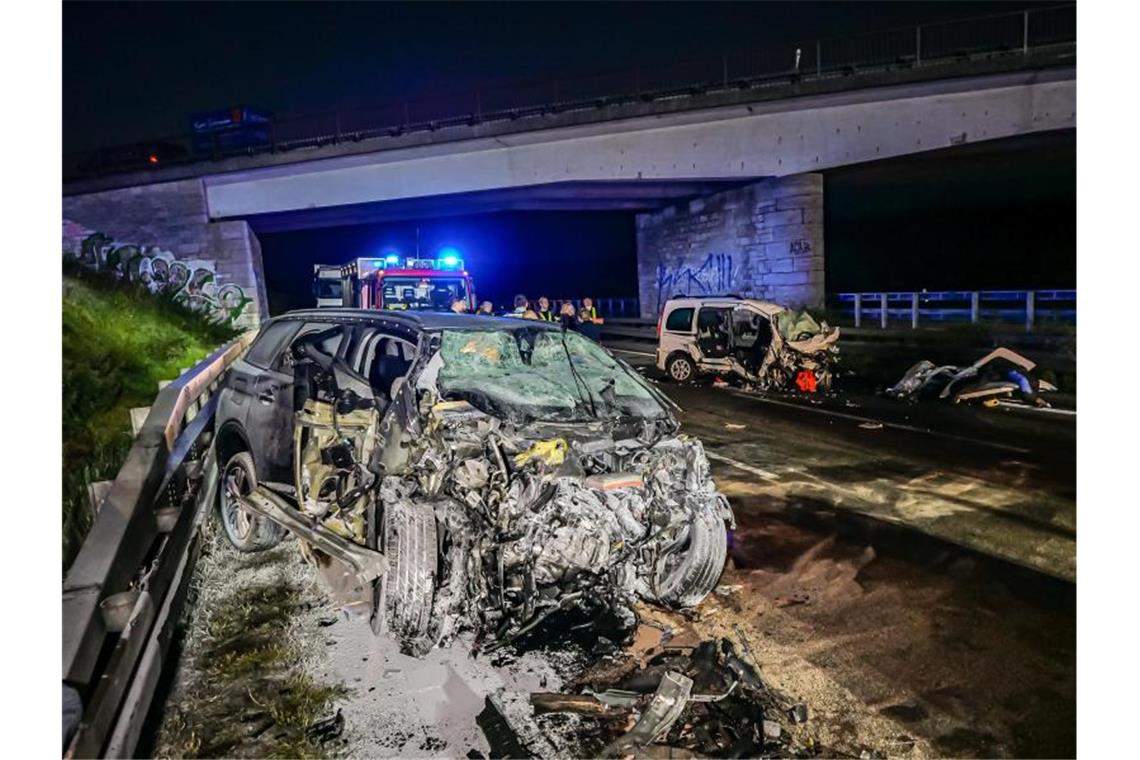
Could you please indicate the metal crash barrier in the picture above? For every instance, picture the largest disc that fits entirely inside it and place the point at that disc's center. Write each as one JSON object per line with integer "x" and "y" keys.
{"x": 123, "y": 593}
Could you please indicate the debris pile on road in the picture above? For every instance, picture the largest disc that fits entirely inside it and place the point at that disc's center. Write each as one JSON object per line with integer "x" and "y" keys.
{"x": 1002, "y": 373}
{"x": 679, "y": 701}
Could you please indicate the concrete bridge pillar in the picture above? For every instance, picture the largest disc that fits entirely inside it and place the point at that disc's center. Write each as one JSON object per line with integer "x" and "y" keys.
{"x": 162, "y": 235}
{"x": 763, "y": 240}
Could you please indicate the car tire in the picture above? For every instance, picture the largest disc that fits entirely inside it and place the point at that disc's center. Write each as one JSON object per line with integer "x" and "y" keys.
{"x": 680, "y": 368}
{"x": 247, "y": 532}
{"x": 700, "y": 564}
{"x": 410, "y": 544}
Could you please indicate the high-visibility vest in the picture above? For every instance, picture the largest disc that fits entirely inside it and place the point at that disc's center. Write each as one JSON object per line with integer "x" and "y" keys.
{"x": 546, "y": 316}
{"x": 591, "y": 313}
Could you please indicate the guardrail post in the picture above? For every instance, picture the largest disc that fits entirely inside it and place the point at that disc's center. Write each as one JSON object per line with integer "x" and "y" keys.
{"x": 883, "y": 310}
{"x": 818, "y": 60}
{"x": 858, "y": 309}
{"x": 1025, "y": 33}
{"x": 975, "y": 307}
{"x": 914, "y": 311}
{"x": 918, "y": 46}
{"x": 1030, "y": 310}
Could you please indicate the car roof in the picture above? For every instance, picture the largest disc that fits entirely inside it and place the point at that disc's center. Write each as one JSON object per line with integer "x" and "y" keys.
{"x": 766, "y": 307}
{"x": 425, "y": 321}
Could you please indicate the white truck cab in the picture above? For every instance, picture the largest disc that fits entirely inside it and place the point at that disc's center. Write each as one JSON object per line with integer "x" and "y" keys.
{"x": 759, "y": 341}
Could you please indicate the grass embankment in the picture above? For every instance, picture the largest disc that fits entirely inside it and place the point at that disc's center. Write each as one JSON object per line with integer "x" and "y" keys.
{"x": 118, "y": 342}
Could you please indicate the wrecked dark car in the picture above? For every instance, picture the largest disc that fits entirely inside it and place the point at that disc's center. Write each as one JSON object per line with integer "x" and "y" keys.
{"x": 450, "y": 473}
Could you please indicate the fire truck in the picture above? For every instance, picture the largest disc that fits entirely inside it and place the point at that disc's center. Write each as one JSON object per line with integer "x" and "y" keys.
{"x": 412, "y": 283}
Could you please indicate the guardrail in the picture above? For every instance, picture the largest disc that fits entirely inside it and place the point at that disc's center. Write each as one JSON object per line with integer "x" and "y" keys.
{"x": 1031, "y": 308}
{"x": 624, "y": 308}
{"x": 123, "y": 592}
{"x": 1009, "y": 35}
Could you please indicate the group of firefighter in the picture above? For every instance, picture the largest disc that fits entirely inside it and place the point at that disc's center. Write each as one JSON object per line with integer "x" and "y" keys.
{"x": 585, "y": 318}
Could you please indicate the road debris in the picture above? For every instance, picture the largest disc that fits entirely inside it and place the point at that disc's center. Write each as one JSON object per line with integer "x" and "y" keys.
{"x": 1002, "y": 373}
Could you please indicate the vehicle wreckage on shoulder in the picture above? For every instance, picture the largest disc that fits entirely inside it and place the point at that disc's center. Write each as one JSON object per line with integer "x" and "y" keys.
{"x": 448, "y": 473}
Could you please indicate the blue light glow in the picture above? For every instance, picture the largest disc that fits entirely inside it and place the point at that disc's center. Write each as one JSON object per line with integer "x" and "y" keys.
{"x": 391, "y": 258}
{"x": 449, "y": 256}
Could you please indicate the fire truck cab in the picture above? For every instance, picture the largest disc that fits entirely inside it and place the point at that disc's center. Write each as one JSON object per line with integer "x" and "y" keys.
{"x": 414, "y": 283}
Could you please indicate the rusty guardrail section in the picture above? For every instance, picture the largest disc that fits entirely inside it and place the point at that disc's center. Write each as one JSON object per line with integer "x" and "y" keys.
{"x": 122, "y": 595}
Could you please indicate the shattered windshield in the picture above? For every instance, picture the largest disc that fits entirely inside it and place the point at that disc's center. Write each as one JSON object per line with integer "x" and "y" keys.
{"x": 532, "y": 374}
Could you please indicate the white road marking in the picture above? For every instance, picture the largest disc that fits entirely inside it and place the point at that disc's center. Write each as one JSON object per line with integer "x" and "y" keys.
{"x": 895, "y": 425}
{"x": 742, "y": 466}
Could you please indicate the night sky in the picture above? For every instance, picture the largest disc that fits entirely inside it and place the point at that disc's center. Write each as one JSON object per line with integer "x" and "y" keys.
{"x": 996, "y": 216}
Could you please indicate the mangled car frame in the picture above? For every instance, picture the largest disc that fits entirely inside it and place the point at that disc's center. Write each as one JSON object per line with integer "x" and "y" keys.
{"x": 762, "y": 343}
{"x": 451, "y": 473}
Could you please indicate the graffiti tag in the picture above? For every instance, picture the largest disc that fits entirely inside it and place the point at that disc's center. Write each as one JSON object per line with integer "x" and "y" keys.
{"x": 192, "y": 282}
{"x": 716, "y": 274}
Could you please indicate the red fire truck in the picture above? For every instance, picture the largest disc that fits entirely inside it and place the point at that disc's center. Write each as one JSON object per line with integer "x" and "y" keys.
{"x": 414, "y": 283}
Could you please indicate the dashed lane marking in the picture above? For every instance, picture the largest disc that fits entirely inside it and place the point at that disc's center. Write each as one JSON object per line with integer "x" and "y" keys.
{"x": 742, "y": 466}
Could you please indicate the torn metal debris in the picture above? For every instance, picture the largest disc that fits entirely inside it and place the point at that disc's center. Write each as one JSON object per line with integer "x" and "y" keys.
{"x": 484, "y": 479}
{"x": 1002, "y": 373}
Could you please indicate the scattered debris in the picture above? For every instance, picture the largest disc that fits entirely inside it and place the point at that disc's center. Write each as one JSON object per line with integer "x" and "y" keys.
{"x": 700, "y": 701}
{"x": 734, "y": 426}
{"x": 871, "y": 425}
{"x": 1000, "y": 373}
{"x": 327, "y": 729}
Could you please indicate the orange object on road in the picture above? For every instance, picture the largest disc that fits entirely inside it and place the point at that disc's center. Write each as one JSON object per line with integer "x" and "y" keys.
{"x": 805, "y": 381}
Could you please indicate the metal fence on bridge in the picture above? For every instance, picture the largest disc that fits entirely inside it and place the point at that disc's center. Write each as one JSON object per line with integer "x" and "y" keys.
{"x": 1031, "y": 308}
{"x": 1011, "y": 36}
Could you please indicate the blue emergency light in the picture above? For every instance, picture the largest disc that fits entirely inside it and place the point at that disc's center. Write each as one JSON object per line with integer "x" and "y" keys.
{"x": 449, "y": 258}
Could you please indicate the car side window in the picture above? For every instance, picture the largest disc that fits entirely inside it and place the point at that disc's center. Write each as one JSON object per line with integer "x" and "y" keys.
{"x": 269, "y": 343}
{"x": 680, "y": 320}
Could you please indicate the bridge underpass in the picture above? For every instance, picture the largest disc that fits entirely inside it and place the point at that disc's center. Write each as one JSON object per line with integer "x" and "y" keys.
{"x": 730, "y": 197}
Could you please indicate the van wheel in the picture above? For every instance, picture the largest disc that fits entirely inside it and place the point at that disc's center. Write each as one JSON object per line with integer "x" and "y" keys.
{"x": 247, "y": 531}
{"x": 680, "y": 368}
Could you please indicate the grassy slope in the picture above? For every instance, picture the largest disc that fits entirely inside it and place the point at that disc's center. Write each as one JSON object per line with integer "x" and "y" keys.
{"x": 118, "y": 342}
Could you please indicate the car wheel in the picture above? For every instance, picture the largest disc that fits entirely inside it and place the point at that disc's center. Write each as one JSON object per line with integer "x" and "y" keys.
{"x": 681, "y": 368}
{"x": 247, "y": 531}
{"x": 691, "y": 570}
{"x": 409, "y": 533}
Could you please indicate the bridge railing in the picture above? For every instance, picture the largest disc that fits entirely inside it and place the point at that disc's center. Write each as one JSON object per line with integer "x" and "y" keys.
{"x": 1030, "y": 308}
{"x": 123, "y": 593}
{"x": 1009, "y": 35}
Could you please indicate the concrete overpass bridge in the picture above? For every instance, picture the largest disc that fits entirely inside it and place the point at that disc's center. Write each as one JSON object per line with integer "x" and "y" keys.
{"x": 726, "y": 184}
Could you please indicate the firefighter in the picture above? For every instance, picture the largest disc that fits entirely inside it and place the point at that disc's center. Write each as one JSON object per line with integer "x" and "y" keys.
{"x": 459, "y": 305}
{"x": 589, "y": 320}
{"x": 486, "y": 309}
{"x": 544, "y": 312}
{"x": 521, "y": 305}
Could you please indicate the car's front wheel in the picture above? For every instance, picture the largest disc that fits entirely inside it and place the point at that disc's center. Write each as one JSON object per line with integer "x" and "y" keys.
{"x": 248, "y": 532}
{"x": 680, "y": 368}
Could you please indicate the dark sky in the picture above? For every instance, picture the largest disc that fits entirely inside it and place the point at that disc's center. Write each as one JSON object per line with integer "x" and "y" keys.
{"x": 134, "y": 71}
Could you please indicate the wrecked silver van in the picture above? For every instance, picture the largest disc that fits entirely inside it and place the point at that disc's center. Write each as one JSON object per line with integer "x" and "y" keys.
{"x": 450, "y": 472}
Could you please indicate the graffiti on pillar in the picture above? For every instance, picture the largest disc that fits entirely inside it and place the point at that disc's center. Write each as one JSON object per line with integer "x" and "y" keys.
{"x": 715, "y": 275}
{"x": 192, "y": 282}
{"x": 798, "y": 247}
